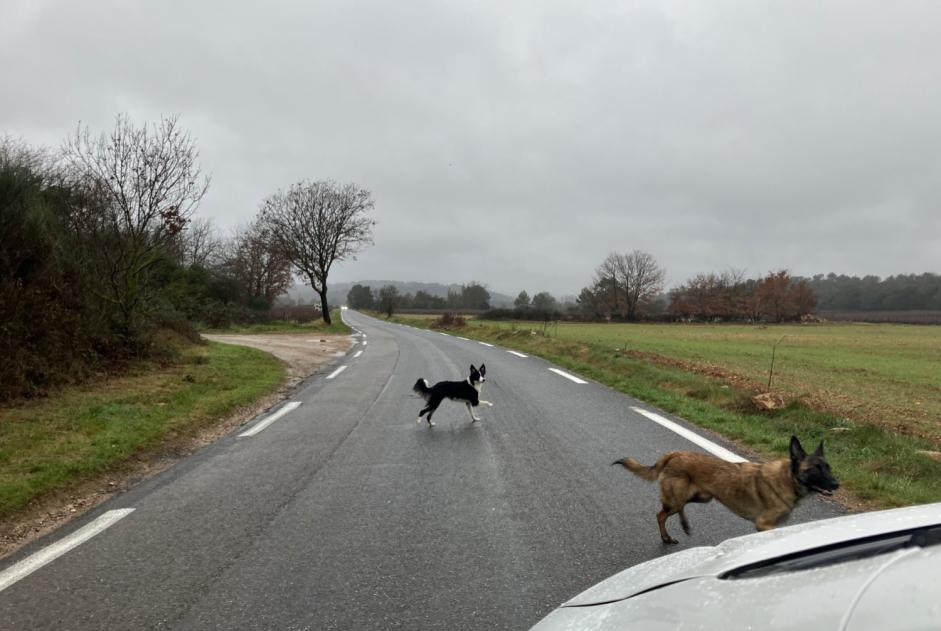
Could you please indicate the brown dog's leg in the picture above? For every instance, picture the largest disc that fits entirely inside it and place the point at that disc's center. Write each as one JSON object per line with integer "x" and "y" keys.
{"x": 683, "y": 522}
{"x": 662, "y": 522}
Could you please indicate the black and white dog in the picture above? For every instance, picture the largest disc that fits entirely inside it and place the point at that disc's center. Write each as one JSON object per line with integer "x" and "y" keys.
{"x": 467, "y": 391}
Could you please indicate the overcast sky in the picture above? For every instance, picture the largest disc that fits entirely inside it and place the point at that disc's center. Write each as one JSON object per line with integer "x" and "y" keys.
{"x": 518, "y": 143}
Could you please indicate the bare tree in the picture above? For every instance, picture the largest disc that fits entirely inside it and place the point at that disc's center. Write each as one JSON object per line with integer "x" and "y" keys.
{"x": 141, "y": 185}
{"x": 316, "y": 224}
{"x": 643, "y": 280}
{"x": 608, "y": 285}
{"x": 259, "y": 270}
{"x": 626, "y": 283}
{"x": 198, "y": 244}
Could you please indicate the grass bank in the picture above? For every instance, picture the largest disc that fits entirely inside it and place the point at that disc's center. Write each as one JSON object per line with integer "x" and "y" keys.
{"x": 281, "y": 326}
{"x": 84, "y": 431}
{"x": 880, "y": 465}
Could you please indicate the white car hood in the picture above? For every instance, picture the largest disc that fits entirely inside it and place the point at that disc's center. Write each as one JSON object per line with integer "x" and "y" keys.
{"x": 750, "y": 549}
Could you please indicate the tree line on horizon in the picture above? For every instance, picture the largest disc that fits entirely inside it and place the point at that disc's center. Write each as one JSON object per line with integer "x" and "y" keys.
{"x": 630, "y": 287}
{"x": 386, "y": 299}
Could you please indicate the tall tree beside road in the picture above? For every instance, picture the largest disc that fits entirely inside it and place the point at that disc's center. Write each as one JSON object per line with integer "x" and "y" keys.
{"x": 316, "y": 224}
{"x": 140, "y": 185}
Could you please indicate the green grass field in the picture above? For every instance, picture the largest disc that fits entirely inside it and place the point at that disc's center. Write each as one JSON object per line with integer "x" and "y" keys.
{"x": 870, "y": 392}
{"x": 48, "y": 444}
{"x": 878, "y": 373}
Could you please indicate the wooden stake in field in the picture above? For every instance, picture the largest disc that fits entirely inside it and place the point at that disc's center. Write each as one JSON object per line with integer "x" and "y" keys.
{"x": 774, "y": 347}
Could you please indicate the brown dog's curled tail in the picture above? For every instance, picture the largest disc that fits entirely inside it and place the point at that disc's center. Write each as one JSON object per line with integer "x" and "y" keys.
{"x": 648, "y": 473}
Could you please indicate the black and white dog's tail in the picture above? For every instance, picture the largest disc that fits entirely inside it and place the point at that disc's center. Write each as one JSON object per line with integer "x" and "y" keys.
{"x": 421, "y": 387}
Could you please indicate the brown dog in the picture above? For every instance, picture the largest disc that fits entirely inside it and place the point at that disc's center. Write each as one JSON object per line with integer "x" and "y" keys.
{"x": 763, "y": 493}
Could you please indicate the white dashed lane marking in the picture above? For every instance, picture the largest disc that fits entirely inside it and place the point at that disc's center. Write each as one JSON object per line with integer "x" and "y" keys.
{"x": 337, "y": 371}
{"x": 562, "y": 373}
{"x": 260, "y": 425}
{"x": 50, "y": 553}
{"x": 358, "y": 353}
{"x": 517, "y": 354}
{"x": 708, "y": 445}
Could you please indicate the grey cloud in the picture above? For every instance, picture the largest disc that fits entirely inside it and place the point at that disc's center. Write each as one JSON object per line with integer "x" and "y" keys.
{"x": 517, "y": 143}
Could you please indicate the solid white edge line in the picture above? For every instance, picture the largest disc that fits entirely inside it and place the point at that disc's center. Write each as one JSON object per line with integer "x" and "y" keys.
{"x": 568, "y": 376}
{"x": 287, "y": 407}
{"x": 358, "y": 353}
{"x": 708, "y": 445}
{"x": 336, "y": 372}
{"x": 485, "y": 344}
{"x": 517, "y": 354}
{"x": 50, "y": 553}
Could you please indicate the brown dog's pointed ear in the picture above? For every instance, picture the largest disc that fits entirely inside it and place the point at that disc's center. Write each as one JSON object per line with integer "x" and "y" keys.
{"x": 819, "y": 450}
{"x": 797, "y": 452}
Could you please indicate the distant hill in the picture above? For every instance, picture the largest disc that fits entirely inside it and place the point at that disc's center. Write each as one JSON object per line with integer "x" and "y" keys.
{"x": 336, "y": 293}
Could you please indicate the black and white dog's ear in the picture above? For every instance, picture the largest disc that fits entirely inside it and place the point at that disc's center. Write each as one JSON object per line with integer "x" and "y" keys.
{"x": 473, "y": 370}
{"x": 483, "y": 370}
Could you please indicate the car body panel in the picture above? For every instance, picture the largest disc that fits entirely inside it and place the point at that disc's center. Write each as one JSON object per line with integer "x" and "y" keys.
{"x": 686, "y": 590}
{"x": 909, "y": 588}
{"x": 755, "y": 548}
{"x": 813, "y": 599}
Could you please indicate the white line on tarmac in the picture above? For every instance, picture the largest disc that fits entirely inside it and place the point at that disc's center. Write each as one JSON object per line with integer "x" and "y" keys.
{"x": 562, "y": 373}
{"x": 517, "y": 354}
{"x": 365, "y": 342}
{"x": 485, "y": 344}
{"x": 50, "y": 553}
{"x": 708, "y": 445}
{"x": 358, "y": 353}
{"x": 336, "y": 372}
{"x": 462, "y": 338}
{"x": 287, "y": 407}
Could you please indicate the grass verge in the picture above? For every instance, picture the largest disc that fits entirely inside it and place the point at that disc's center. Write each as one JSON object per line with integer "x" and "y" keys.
{"x": 49, "y": 444}
{"x": 280, "y": 326}
{"x": 878, "y": 468}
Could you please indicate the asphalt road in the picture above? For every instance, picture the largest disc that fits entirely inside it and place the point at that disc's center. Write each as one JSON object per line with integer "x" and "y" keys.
{"x": 346, "y": 514}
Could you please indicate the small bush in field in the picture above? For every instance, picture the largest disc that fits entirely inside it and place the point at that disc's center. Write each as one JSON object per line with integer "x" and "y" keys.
{"x": 449, "y": 321}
